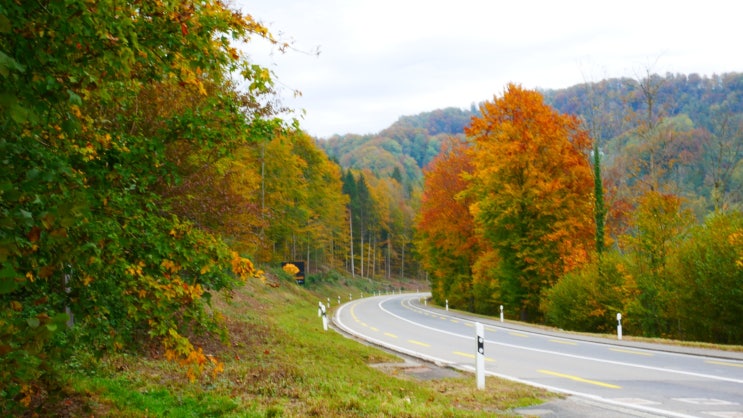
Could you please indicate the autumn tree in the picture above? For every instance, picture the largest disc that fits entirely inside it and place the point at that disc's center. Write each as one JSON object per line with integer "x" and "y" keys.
{"x": 93, "y": 97}
{"x": 658, "y": 224}
{"x": 446, "y": 239}
{"x": 531, "y": 188}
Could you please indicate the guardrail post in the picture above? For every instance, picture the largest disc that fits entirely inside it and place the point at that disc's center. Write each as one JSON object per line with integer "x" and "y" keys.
{"x": 480, "y": 355}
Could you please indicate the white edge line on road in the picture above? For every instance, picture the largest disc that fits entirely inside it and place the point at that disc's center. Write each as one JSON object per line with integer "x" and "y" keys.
{"x": 446, "y": 363}
{"x": 619, "y": 363}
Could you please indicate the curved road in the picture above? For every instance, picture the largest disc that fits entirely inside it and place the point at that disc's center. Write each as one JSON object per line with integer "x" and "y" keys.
{"x": 650, "y": 379}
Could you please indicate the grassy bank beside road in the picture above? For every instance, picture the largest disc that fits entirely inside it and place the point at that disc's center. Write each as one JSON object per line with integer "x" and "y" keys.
{"x": 280, "y": 362}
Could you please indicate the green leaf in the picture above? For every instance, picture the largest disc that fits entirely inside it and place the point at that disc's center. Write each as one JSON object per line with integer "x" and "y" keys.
{"x": 7, "y": 63}
{"x": 33, "y": 322}
{"x": 5, "y": 25}
{"x": 74, "y": 98}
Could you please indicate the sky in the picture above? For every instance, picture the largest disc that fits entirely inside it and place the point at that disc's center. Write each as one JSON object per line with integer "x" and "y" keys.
{"x": 382, "y": 59}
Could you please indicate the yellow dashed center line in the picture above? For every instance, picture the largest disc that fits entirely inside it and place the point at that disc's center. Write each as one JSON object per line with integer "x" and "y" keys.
{"x": 580, "y": 379}
{"x": 374, "y": 329}
{"x": 518, "y": 334}
{"x": 419, "y": 343}
{"x": 639, "y": 353}
{"x": 724, "y": 363}
{"x": 564, "y": 342}
{"x": 472, "y": 356}
{"x": 459, "y": 353}
{"x": 390, "y": 335}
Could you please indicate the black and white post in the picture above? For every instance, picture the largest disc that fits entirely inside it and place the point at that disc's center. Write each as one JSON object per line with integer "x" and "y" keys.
{"x": 480, "y": 356}
{"x": 321, "y": 312}
{"x": 619, "y": 326}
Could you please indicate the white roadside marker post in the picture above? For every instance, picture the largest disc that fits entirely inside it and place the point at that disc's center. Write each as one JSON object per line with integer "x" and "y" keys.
{"x": 339, "y": 300}
{"x": 480, "y": 361}
{"x": 447, "y": 304}
{"x": 501, "y": 313}
{"x": 619, "y": 326}
{"x": 321, "y": 312}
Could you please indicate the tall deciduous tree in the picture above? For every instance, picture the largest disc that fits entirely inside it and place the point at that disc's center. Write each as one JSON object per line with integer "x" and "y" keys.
{"x": 531, "y": 189}
{"x": 85, "y": 224}
{"x": 446, "y": 239}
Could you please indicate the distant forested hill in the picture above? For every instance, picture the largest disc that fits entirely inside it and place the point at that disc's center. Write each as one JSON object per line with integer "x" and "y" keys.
{"x": 407, "y": 145}
{"x": 698, "y": 97}
{"x": 698, "y": 113}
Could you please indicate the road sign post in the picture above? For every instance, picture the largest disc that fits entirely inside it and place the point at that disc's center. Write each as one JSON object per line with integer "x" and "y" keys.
{"x": 480, "y": 355}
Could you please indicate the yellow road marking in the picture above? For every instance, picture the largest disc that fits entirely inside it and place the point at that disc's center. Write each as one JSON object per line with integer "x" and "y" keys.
{"x": 639, "y": 353}
{"x": 580, "y": 379}
{"x": 468, "y": 324}
{"x": 390, "y": 335}
{"x": 419, "y": 343}
{"x": 724, "y": 363}
{"x": 564, "y": 342}
{"x": 454, "y": 320}
{"x": 374, "y": 329}
{"x": 459, "y": 353}
{"x": 472, "y": 356}
{"x": 518, "y": 334}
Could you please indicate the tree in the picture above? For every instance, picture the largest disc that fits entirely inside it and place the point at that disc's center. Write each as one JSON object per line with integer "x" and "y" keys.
{"x": 86, "y": 140}
{"x": 707, "y": 277}
{"x": 658, "y": 224}
{"x": 445, "y": 230}
{"x": 531, "y": 188}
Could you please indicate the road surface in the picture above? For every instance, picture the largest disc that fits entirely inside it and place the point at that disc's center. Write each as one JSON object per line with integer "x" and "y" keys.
{"x": 652, "y": 380}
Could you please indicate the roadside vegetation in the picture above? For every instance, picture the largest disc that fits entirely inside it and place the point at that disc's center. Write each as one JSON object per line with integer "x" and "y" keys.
{"x": 278, "y": 362}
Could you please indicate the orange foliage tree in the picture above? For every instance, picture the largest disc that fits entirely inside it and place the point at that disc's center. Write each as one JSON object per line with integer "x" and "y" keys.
{"x": 446, "y": 239}
{"x": 531, "y": 188}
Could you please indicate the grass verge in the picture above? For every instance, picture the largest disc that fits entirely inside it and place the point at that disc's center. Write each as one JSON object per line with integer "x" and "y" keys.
{"x": 280, "y": 362}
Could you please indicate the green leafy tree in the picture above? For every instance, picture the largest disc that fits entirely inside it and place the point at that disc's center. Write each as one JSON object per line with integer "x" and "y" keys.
{"x": 93, "y": 96}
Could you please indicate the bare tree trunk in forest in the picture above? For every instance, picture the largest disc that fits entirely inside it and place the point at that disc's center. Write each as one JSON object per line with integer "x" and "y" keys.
{"x": 350, "y": 228}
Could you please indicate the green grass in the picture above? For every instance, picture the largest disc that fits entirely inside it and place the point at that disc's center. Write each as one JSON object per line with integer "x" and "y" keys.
{"x": 280, "y": 362}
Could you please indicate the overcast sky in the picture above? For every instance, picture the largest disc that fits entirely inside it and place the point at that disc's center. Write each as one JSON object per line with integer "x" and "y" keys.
{"x": 383, "y": 59}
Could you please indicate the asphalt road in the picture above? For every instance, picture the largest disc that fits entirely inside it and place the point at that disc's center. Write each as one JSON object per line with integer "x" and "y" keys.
{"x": 623, "y": 378}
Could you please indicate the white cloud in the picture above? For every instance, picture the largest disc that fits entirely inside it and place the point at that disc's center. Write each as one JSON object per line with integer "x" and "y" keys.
{"x": 386, "y": 58}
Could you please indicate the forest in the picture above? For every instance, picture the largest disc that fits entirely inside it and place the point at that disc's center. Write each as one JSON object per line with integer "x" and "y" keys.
{"x": 146, "y": 166}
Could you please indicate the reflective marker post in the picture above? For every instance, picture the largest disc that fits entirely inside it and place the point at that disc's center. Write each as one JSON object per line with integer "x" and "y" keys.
{"x": 447, "y": 304}
{"x": 501, "y": 313}
{"x": 619, "y": 326}
{"x": 322, "y": 313}
{"x": 480, "y": 356}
